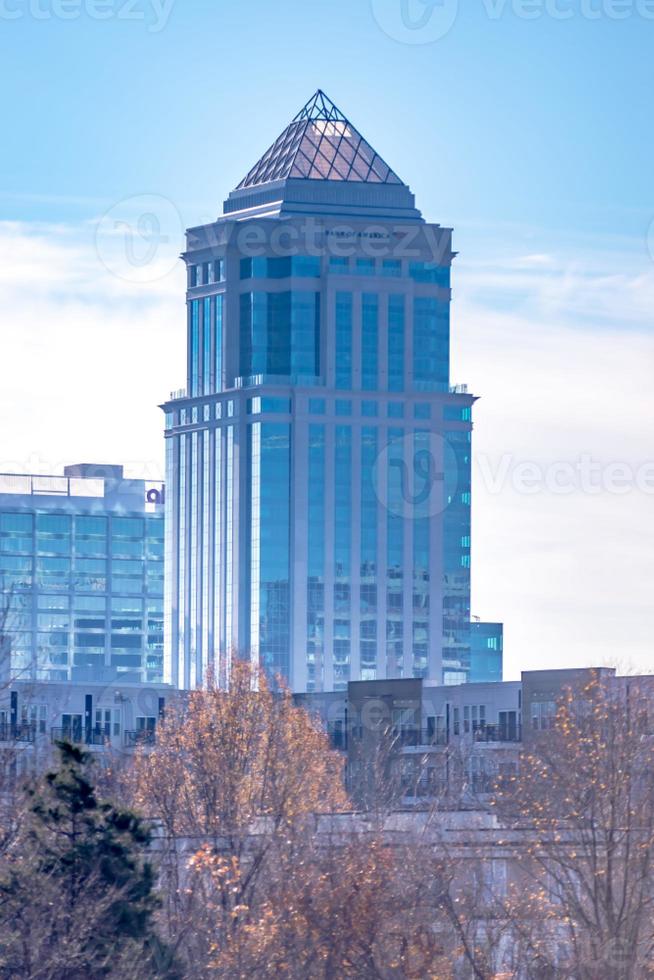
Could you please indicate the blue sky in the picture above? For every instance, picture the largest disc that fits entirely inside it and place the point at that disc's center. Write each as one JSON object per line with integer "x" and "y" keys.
{"x": 504, "y": 119}
{"x": 529, "y": 133}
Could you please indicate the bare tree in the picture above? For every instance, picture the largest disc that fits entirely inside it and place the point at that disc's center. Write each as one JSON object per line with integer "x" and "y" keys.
{"x": 582, "y": 812}
{"x": 238, "y": 771}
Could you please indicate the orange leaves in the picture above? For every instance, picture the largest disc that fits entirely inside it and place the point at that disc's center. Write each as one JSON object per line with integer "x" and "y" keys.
{"x": 227, "y": 758}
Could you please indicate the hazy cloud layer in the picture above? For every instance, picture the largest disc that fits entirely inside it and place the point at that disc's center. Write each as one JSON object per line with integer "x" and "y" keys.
{"x": 560, "y": 347}
{"x": 562, "y": 353}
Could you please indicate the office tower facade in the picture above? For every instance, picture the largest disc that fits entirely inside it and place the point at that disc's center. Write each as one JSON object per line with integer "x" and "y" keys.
{"x": 318, "y": 461}
{"x": 81, "y": 576}
{"x": 486, "y": 651}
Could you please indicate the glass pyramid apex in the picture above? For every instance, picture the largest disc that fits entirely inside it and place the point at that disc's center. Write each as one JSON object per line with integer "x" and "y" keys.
{"x": 320, "y": 144}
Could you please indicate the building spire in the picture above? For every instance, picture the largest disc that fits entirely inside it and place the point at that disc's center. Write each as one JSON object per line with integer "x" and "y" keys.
{"x": 320, "y": 143}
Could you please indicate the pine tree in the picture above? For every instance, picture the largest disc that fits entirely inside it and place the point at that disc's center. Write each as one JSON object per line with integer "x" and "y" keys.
{"x": 78, "y": 896}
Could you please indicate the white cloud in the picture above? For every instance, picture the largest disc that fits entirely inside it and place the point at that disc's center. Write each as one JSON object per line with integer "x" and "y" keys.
{"x": 560, "y": 348}
{"x": 86, "y": 356}
{"x": 565, "y": 373}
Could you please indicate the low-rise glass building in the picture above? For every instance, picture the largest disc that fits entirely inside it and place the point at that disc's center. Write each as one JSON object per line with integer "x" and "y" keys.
{"x": 81, "y": 576}
{"x": 486, "y": 651}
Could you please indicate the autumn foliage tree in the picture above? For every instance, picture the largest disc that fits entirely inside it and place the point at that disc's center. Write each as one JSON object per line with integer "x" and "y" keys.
{"x": 584, "y": 803}
{"x": 239, "y": 771}
{"x": 265, "y": 874}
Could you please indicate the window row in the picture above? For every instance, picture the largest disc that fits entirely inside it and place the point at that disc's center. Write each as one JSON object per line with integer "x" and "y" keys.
{"x": 423, "y": 272}
{"x": 206, "y": 273}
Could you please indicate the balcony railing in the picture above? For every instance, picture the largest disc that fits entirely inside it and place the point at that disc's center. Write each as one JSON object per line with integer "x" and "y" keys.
{"x": 497, "y": 733}
{"x": 413, "y": 737}
{"x": 97, "y": 737}
{"x": 257, "y": 380}
{"x": 141, "y": 737}
{"x": 79, "y": 736}
{"x": 67, "y": 733}
{"x": 24, "y": 732}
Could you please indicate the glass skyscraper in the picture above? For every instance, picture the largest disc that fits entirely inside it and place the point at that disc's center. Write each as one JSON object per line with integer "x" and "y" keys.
{"x": 81, "y": 577}
{"x": 318, "y": 461}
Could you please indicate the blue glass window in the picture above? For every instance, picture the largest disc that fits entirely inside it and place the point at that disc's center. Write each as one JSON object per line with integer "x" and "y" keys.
{"x": 368, "y": 569}
{"x": 430, "y": 272}
{"x": 22, "y": 523}
{"x": 395, "y": 525}
{"x": 365, "y": 267}
{"x": 16, "y": 533}
{"x": 317, "y": 406}
{"x": 305, "y": 265}
{"x": 206, "y": 346}
{"x": 218, "y": 342}
{"x": 343, "y": 340}
{"x": 16, "y": 572}
{"x": 369, "y": 408}
{"x": 454, "y": 413}
{"x": 395, "y": 410}
{"x": 369, "y": 342}
{"x": 431, "y": 344}
{"x": 391, "y": 267}
{"x": 343, "y": 502}
{"x": 253, "y": 268}
{"x": 280, "y": 406}
{"x": 316, "y": 556}
{"x": 194, "y": 347}
{"x": 280, "y": 267}
{"x": 269, "y": 461}
{"x": 368, "y": 502}
{"x": 343, "y": 406}
{"x": 421, "y": 556}
{"x": 280, "y": 334}
{"x": 422, "y": 410}
{"x": 396, "y": 342}
{"x": 339, "y": 266}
